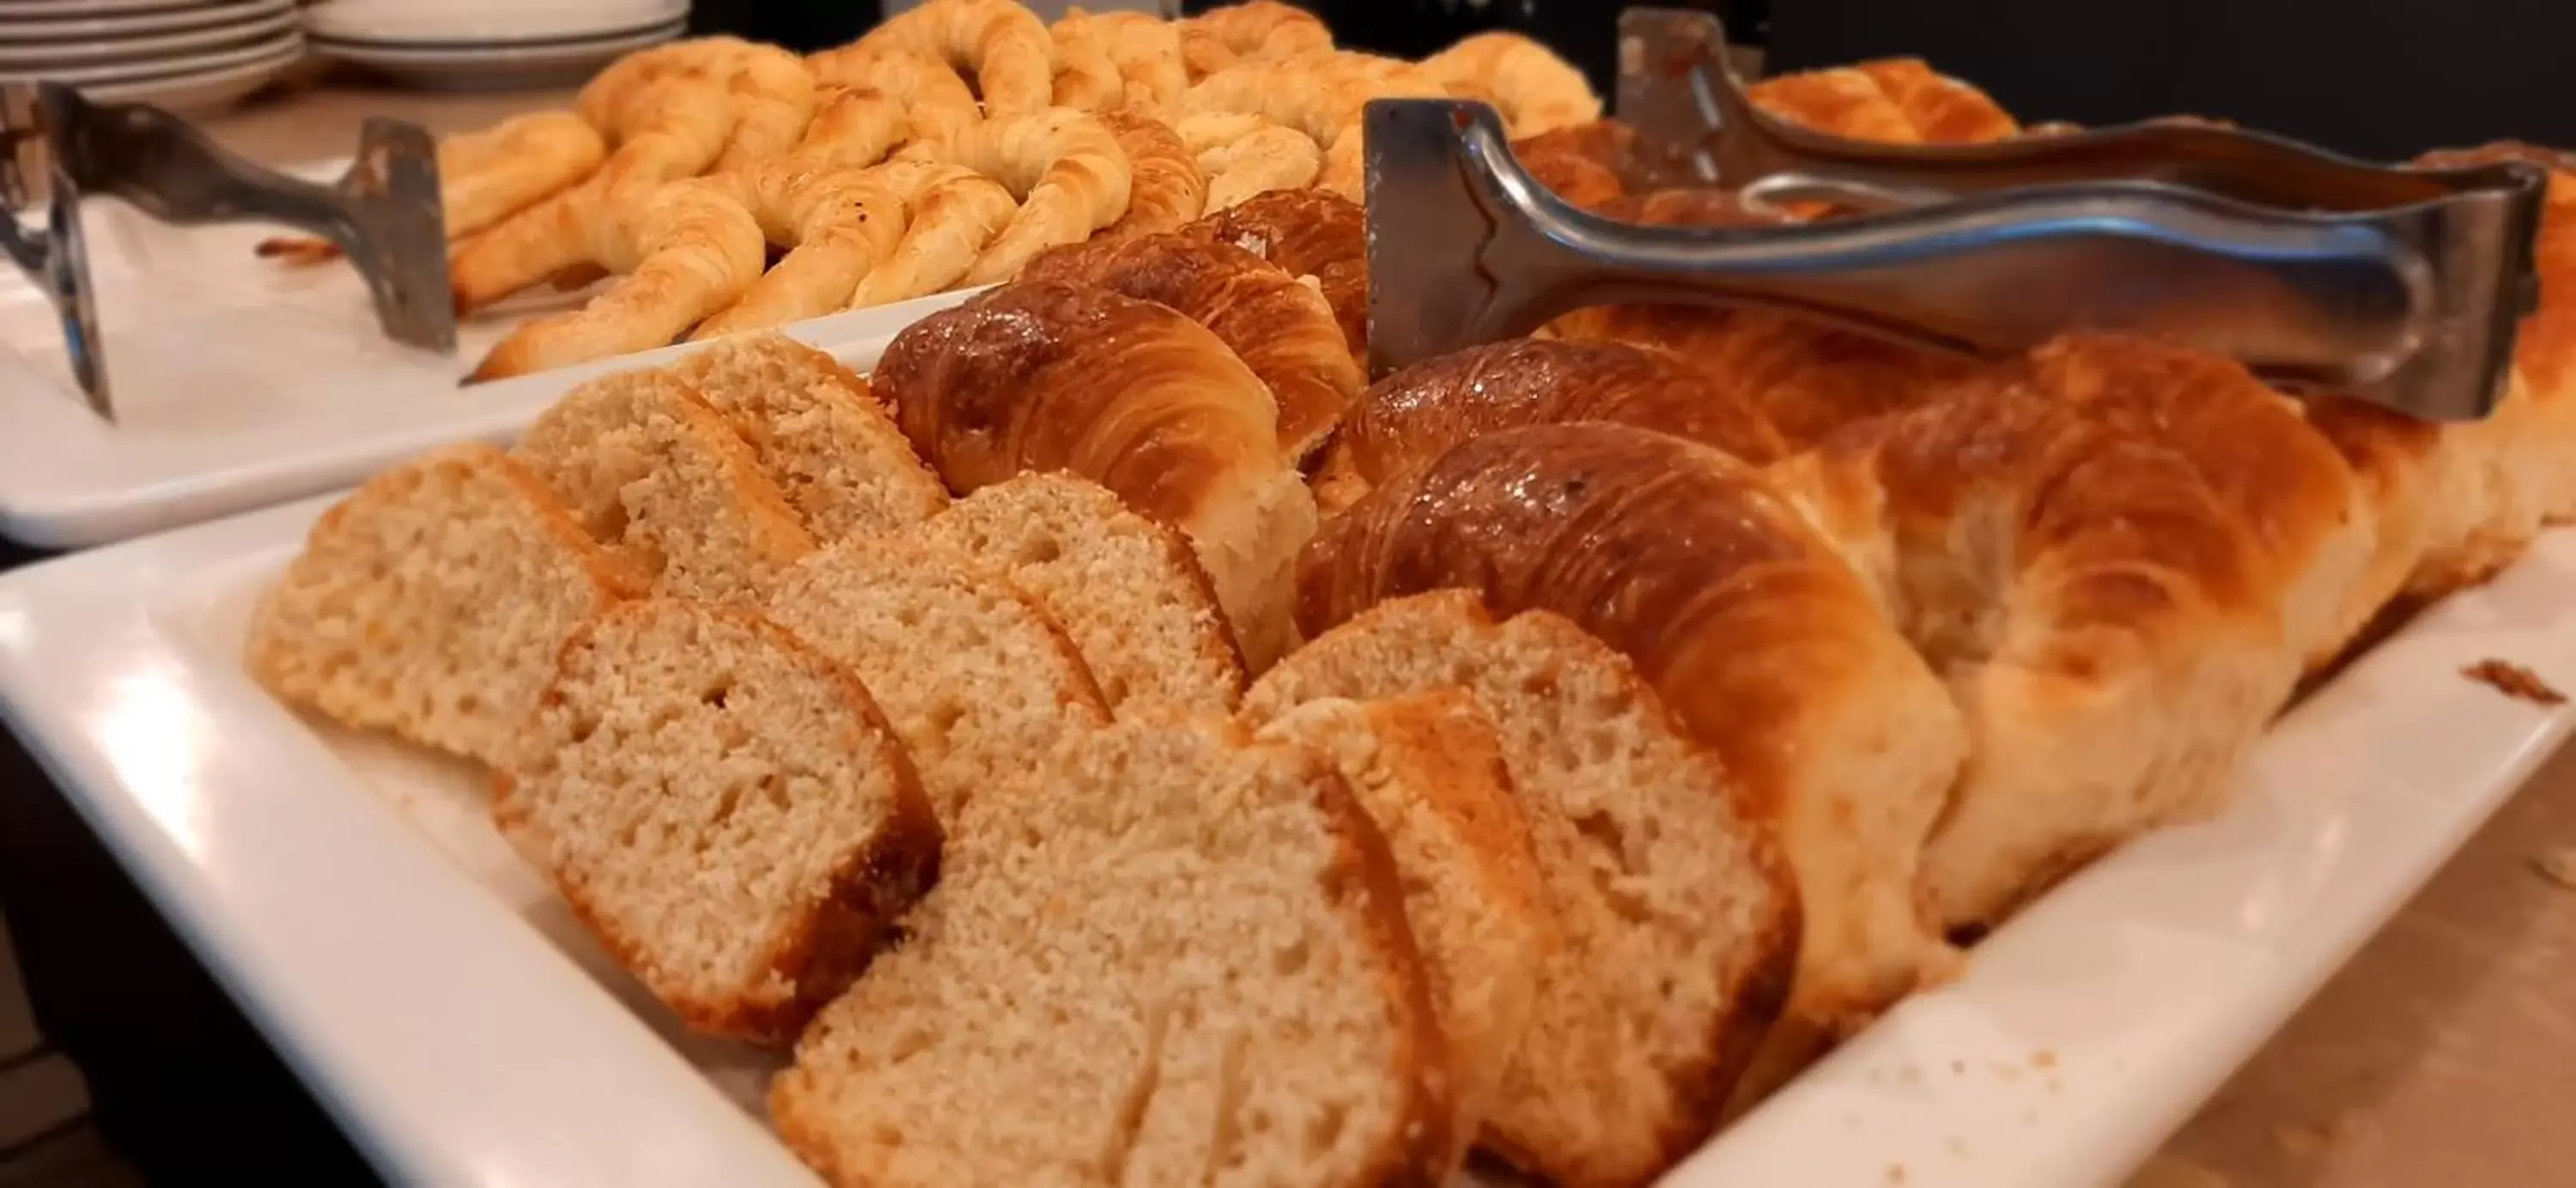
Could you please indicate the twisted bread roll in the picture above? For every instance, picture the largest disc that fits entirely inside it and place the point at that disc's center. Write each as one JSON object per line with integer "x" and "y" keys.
{"x": 1067, "y": 168}
{"x": 1535, "y": 90}
{"x": 1306, "y": 233}
{"x": 1410, "y": 418}
{"x": 487, "y": 176}
{"x": 1280, "y": 327}
{"x": 2110, "y": 626}
{"x": 1220, "y": 37}
{"x": 1006, "y": 45}
{"x": 687, "y": 251}
{"x": 1129, "y": 394}
{"x": 1767, "y": 648}
{"x": 1167, "y": 190}
{"x": 1248, "y": 155}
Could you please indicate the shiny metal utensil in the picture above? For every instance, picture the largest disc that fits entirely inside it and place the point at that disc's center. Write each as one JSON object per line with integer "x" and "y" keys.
{"x": 2412, "y": 306}
{"x": 57, "y": 148}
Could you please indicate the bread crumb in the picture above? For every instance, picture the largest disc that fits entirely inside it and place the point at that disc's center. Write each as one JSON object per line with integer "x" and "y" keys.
{"x": 2514, "y": 681}
{"x": 2044, "y": 1058}
{"x": 1958, "y": 1068}
{"x": 2557, "y": 866}
{"x": 1896, "y": 1173}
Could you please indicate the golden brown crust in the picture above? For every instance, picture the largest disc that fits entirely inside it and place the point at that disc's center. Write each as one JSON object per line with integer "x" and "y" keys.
{"x": 1411, "y": 417}
{"x": 1280, "y": 327}
{"x": 1843, "y": 101}
{"x": 1602, "y": 142}
{"x": 1579, "y": 180}
{"x": 1308, "y": 233}
{"x": 1048, "y": 376}
{"x": 1674, "y": 554}
{"x": 1167, "y": 190}
{"x": 1940, "y": 109}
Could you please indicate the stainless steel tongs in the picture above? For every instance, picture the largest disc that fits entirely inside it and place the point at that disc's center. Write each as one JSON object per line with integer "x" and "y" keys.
{"x": 57, "y": 148}
{"x": 2400, "y": 286}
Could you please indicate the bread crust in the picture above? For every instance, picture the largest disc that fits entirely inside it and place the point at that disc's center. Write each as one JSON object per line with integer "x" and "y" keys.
{"x": 1308, "y": 233}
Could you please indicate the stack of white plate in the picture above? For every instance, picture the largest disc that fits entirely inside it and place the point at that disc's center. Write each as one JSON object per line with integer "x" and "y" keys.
{"x": 187, "y": 55}
{"x": 489, "y": 44}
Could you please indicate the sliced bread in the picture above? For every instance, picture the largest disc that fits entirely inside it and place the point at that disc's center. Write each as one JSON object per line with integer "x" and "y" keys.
{"x": 432, "y": 602}
{"x": 819, "y": 434}
{"x": 724, "y": 807}
{"x": 1185, "y": 961}
{"x": 1429, "y": 771}
{"x": 1125, "y": 587}
{"x": 1678, "y": 919}
{"x": 655, "y": 474}
{"x": 979, "y": 683}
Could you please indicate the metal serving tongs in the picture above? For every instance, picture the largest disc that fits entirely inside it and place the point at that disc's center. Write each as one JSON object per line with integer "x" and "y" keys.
{"x": 57, "y": 148}
{"x": 2400, "y": 286}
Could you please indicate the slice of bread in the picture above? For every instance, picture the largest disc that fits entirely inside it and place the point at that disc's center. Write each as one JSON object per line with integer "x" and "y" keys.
{"x": 1429, "y": 771}
{"x": 821, "y": 437}
{"x": 431, "y": 602}
{"x": 1678, "y": 917}
{"x": 655, "y": 474}
{"x": 724, "y": 807}
{"x": 976, "y": 679}
{"x": 1126, "y": 588}
{"x": 1184, "y": 961}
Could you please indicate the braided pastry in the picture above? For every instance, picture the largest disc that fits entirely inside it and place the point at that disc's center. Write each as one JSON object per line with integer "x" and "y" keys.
{"x": 1259, "y": 29}
{"x": 1279, "y": 326}
{"x": 1067, "y": 168}
{"x": 1005, "y": 44}
{"x": 1167, "y": 189}
{"x": 1535, "y": 90}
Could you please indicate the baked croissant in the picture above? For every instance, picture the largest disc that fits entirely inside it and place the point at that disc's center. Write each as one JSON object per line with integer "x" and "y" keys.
{"x": 934, "y": 101}
{"x": 1535, "y": 90}
{"x": 1223, "y": 36}
{"x": 1765, "y": 645}
{"x": 1129, "y": 394}
{"x": 1166, "y": 189}
{"x": 1408, "y": 419}
{"x": 1004, "y": 43}
{"x": 686, "y": 250}
{"x": 1279, "y": 326}
{"x": 2109, "y": 626}
{"x": 1306, "y": 233}
{"x": 1068, "y": 169}
{"x": 1940, "y": 109}
{"x": 487, "y": 176}
{"x": 1147, "y": 52}
{"x": 1246, "y": 155}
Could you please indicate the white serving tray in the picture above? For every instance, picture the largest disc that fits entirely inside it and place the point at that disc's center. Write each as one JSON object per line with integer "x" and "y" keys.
{"x": 239, "y": 383}
{"x": 443, "y": 1005}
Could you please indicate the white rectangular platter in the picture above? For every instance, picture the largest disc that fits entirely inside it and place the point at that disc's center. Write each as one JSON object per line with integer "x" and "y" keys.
{"x": 239, "y": 383}
{"x": 354, "y": 898}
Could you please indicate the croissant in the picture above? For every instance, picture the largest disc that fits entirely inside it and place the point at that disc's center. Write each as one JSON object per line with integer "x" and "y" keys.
{"x": 688, "y": 249}
{"x": 773, "y": 97}
{"x": 1306, "y": 233}
{"x": 1129, "y": 394}
{"x": 1535, "y": 90}
{"x": 839, "y": 223}
{"x": 1005, "y": 44}
{"x": 487, "y": 176}
{"x": 1840, "y": 100}
{"x": 1085, "y": 77}
{"x": 1166, "y": 189}
{"x": 1940, "y": 109}
{"x": 1067, "y": 167}
{"x": 1280, "y": 327}
{"x": 603, "y": 100}
{"x": 2111, "y": 628}
{"x": 954, "y": 215}
{"x": 1220, "y": 37}
{"x": 1604, "y": 142}
{"x": 1765, "y": 645}
{"x": 1147, "y": 51}
{"x": 1247, "y": 155}
{"x": 934, "y": 101}
{"x": 1413, "y": 416}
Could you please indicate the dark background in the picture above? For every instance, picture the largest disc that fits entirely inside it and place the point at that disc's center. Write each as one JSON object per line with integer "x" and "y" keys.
{"x": 185, "y": 1089}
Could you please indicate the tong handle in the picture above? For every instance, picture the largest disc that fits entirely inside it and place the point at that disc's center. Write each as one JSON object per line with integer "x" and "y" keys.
{"x": 1701, "y": 127}
{"x": 166, "y": 168}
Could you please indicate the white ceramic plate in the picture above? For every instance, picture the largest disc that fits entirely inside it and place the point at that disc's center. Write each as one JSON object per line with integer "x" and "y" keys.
{"x": 486, "y": 21}
{"x": 188, "y": 93}
{"x": 51, "y": 20}
{"x": 239, "y": 384}
{"x": 169, "y": 10}
{"x": 451, "y": 65}
{"x": 288, "y": 43}
{"x": 153, "y": 48}
{"x": 355, "y": 898}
